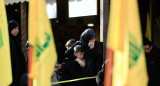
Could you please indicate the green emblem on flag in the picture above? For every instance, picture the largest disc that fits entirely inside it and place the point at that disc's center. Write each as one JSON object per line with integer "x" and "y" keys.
{"x": 40, "y": 48}
{"x": 134, "y": 52}
{"x": 1, "y": 40}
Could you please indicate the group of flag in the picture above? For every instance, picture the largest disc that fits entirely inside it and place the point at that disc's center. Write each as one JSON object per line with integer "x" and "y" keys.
{"x": 126, "y": 60}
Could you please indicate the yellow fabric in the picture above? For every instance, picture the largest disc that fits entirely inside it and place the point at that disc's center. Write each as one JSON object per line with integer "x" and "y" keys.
{"x": 124, "y": 38}
{"x": 148, "y": 33}
{"x": 41, "y": 39}
{"x": 5, "y": 59}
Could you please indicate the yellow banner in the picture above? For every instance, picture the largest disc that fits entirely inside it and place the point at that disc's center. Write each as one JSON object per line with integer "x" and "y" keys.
{"x": 41, "y": 39}
{"x": 137, "y": 74}
{"x": 125, "y": 40}
{"x": 5, "y": 59}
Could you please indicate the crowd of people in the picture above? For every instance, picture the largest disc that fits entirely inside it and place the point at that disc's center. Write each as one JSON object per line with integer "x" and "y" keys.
{"x": 82, "y": 58}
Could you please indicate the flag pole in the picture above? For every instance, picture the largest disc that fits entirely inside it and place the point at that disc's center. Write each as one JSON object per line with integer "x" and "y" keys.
{"x": 108, "y": 67}
{"x": 30, "y": 50}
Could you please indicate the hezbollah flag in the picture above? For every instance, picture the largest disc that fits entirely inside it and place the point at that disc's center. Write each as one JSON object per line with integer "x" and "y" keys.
{"x": 44, "y": 56}
{"x": 5, "y": 59}
{"x": 125, "y": 46}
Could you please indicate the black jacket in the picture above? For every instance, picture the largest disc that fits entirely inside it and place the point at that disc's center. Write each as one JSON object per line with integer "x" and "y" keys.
{"x": 153, "y": 67}
{"x": 17, "y": 61}
{"x": 72, "y": 70}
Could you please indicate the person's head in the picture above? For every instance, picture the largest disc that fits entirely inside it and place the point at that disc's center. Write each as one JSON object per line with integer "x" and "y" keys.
{"x": 87, "y": 36}
{"x": 147, "y": 46}
{"x": 13, "y": 27}
{"x": 69, "y": 43}
{"x": 79, "y": 51}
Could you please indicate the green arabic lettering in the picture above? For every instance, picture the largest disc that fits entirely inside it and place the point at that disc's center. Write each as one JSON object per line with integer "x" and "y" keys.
{"x": 40, "y": 48}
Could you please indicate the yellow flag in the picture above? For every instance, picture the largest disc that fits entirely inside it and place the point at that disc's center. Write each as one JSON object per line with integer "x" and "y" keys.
{"x": 41, "y": 39}
{"x": 148, "y": 33}
{"x": 5, "y": 59}
{"x": 125, "y": 42}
